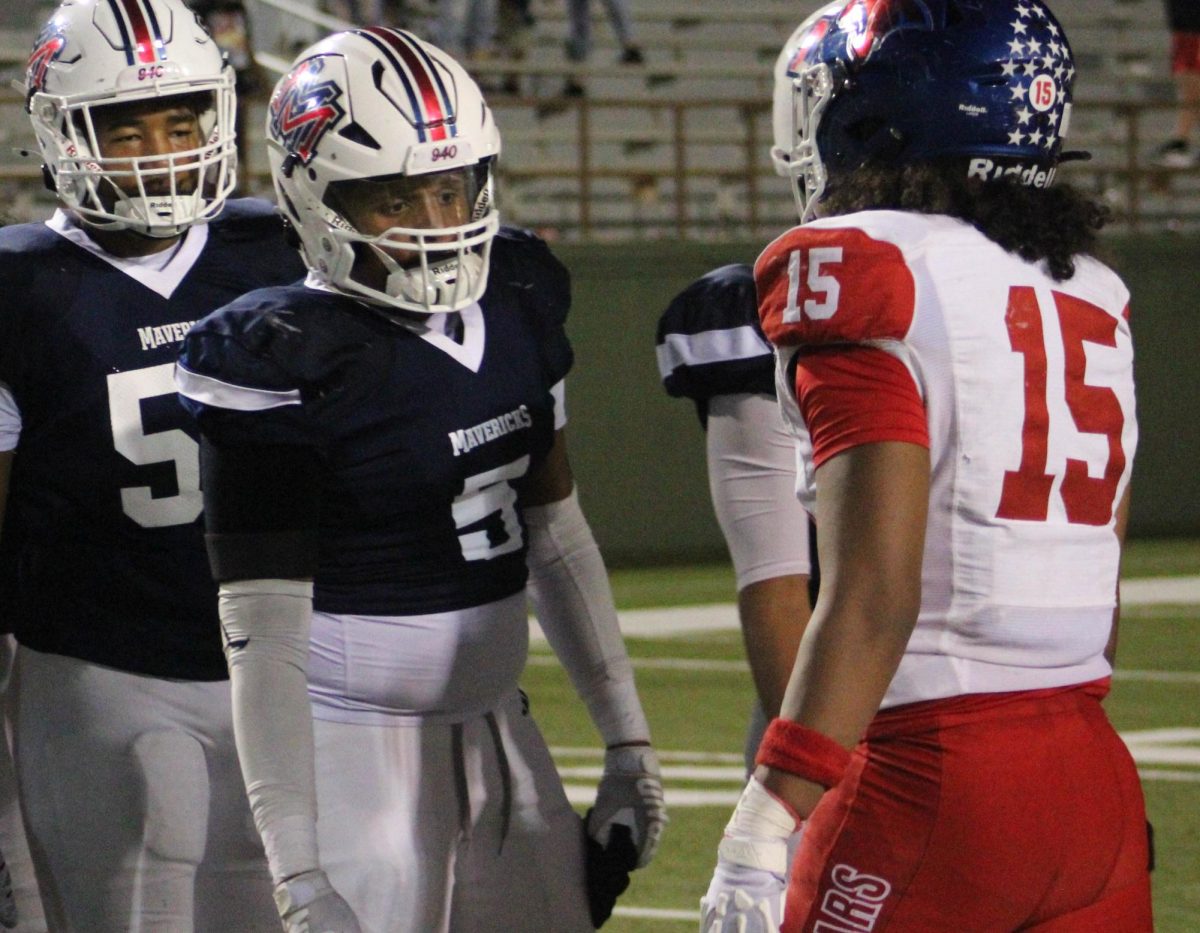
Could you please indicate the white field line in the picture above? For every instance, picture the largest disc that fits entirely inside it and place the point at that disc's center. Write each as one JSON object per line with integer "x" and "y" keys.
{"x": 676, "y": 621}
{"x": 1146, "y": 745}
{"x": 741, "y": 667}
{"x": 656, "y": 913}
{"x": 1174, "y": 746}
{"x": 1160, "y": 591}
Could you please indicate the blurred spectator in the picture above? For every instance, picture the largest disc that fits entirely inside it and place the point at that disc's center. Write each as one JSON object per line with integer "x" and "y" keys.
{"x": 514, "y": 28}
{"x": 393, "y": 13}
{"x": 466, "y": 28}
{"x": 229, "y": 24}
{"x": 579, "y": 41}
{"x": 1184, "y": 19}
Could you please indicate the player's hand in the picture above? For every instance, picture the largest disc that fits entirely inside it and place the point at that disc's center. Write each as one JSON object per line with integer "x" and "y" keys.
{"x": 747, "y": 891}
{"x": 742, "y": 898}
{"x": 630, "y": 794}
{"x": 607, "y": 870}
{"x": 309, "y": 904}
{"x": 8, "y": 904}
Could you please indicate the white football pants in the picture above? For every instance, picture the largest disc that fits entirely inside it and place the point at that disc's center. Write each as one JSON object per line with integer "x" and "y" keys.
{"x": 12, "y": 828}
{"x": 134, "y": 803}
{"x": 432, "y": 827}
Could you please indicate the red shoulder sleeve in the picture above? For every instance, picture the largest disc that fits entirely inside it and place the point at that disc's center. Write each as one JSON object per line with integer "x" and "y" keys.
{"x": 833, "y": 285}
{"x": 850, "y": 396}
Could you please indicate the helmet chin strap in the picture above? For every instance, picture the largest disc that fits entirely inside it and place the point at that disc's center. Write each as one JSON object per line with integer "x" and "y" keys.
{"x": 444, "y": 282}
{"x": 155, "y": 207}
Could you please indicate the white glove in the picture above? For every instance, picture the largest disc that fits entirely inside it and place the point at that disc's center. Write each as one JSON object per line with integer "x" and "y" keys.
{"x": 309, "y": 904}
{"x": 747, "y": 891}
{"x": 8, "y": 905}
{"x": 742, "y": 900}
{"x": 631, "y": 793}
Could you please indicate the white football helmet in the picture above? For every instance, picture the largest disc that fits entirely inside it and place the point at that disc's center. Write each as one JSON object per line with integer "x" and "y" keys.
{"x": 794, "y": 154}
{"x": 382, "y": 104}
{"x": 96, "y": 53}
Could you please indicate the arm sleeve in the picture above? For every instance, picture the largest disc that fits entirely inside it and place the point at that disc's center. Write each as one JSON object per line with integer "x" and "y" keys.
{"x": 851, "y": 396}
{"x": 752, "y": 479}
{"x": 265, "y": 624}
{"x": 573, "y": 602}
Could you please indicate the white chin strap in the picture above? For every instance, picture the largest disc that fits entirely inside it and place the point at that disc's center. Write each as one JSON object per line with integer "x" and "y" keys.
{"x": 448, "y": 285}
{"x": 158, "y": 216}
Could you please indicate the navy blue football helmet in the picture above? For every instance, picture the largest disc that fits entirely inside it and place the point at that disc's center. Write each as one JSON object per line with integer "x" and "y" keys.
{"x": 896, "y": 82}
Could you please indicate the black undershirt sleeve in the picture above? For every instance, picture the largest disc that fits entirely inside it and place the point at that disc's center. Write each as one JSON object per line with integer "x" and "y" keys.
{"x": 261, "y": 510}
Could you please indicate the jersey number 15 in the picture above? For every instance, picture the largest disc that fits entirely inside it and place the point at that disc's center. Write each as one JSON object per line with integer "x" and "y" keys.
{"x": 1094, "y": 409}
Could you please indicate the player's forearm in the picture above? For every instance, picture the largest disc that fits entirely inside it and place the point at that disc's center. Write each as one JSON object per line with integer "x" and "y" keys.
{"x": 266, "y": 626}
{"x": 871, "y": 510}
{"x": 773, "y": 614}
{"x": 569, "y": 588}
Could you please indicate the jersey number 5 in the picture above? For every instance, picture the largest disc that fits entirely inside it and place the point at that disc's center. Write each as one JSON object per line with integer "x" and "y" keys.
{"x": 489, "y": 497}
{"x": 126, "y": 392}
{"x": 1094, "y": 409}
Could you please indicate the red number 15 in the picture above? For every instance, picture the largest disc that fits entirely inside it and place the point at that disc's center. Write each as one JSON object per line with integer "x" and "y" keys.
{"x": 1094, "y": 409}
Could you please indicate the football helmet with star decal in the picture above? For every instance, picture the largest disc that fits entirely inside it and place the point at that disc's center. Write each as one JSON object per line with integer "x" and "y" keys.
{"x": 895, "y": 82}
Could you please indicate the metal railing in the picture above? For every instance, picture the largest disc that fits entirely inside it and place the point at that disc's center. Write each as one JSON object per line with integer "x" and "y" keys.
{"x": 1122, "y": 173}
{"x": 594, "y": 191}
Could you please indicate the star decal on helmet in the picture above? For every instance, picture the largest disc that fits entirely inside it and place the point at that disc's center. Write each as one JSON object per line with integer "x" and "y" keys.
{"x": 1039, "y": 74}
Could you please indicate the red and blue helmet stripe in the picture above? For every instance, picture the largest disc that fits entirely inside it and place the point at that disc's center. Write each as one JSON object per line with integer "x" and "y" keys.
{"x": 432, "y": 107}
{"x": 141, "y": 32}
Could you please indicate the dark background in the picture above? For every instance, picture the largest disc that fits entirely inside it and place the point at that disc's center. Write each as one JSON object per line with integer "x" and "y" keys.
{"x": 639, "y": 454}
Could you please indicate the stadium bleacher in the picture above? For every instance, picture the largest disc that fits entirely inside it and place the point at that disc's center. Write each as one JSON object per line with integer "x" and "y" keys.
{"x": 678, "y": 146}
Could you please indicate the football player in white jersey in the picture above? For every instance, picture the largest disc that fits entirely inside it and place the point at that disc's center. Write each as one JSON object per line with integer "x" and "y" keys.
{"x": 385, "y": 472}
{"x": 125, "y": 759}
{"x": 959, "y": 373}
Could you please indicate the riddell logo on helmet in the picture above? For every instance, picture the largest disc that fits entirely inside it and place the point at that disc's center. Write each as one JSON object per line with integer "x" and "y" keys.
{"x": 1029, "y": 175}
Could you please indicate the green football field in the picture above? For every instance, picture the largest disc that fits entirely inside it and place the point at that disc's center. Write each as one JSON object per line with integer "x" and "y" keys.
{"x": 697, "y": 693}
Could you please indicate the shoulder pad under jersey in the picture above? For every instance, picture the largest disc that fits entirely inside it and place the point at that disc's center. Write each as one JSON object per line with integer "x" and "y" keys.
{"x": 523, "y": 267}
{"x": 247, "y": 219}
{"x": 522, "y": 261}
{"x": 709, "y": 341}
{"x": 272, "y": 350}
{"x": 832, "y": 281}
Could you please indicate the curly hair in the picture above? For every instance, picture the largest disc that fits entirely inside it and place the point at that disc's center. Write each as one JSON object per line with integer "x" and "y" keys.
{"x": 1053, "y": 224}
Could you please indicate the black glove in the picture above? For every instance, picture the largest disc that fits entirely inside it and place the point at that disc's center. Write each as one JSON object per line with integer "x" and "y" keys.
{"x": 8, "y": 904}
{"x": 607, "y": 869}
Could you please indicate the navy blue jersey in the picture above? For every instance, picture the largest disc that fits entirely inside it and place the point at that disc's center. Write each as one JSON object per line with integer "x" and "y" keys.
{"x": 710, "y": 342}
{"x": 105, "y": 553}
{"x": 421, "y": 442}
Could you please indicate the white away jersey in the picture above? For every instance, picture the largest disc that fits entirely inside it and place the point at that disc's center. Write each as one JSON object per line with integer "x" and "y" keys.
{"x": 1027, "y": 386}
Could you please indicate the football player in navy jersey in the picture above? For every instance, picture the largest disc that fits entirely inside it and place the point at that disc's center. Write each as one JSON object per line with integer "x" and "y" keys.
{"x": 385, "y": 471}
{"x": 125, "y": 755}
{"x": 711, "y": 349}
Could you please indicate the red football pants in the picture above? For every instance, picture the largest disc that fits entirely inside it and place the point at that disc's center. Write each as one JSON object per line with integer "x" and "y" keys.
{"x": 988, "y": 813}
